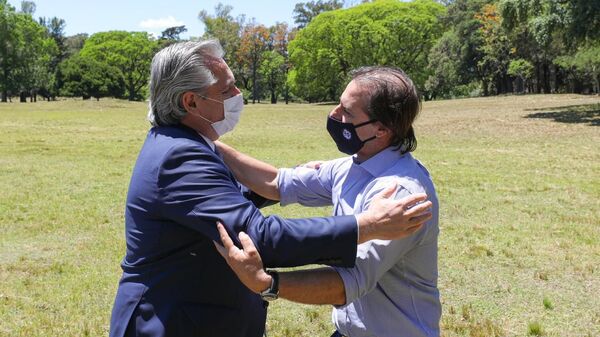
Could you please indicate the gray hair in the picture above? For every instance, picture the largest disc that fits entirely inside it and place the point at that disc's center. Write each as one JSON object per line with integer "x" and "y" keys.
{"x": 175, "y": 70}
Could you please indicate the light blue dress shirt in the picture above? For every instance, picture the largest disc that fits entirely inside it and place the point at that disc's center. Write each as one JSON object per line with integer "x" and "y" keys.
{"x": 392, "y": 290}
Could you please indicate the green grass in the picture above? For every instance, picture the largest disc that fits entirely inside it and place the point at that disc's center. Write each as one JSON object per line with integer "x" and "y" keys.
{"x": 518, "y": 179}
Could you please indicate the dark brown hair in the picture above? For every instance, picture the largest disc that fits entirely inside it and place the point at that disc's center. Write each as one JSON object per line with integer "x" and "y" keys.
{"x": 393, "y": 101}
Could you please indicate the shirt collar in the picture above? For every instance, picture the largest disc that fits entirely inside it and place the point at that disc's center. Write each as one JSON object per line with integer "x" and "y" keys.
{"x": 382, "y": 161}
{"x": 210, "y": 143}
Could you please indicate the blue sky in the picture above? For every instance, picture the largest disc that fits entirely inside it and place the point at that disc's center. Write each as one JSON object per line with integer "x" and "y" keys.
{"x": 153, "y": 16}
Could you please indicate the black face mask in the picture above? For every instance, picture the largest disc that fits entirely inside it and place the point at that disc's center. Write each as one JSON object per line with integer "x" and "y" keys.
{"x": 344, "y": 135}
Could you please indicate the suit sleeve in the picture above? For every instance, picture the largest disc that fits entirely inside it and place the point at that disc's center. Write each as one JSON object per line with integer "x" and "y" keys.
{"x": 197, "y": 190}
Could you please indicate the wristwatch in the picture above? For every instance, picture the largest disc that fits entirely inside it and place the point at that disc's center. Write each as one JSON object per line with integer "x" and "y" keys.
{"x": 271, "y": 293}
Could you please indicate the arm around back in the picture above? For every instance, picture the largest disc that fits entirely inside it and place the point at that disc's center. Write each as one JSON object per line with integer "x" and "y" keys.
{"x": 197, "y": 190}
{"x": 259, "y": 176}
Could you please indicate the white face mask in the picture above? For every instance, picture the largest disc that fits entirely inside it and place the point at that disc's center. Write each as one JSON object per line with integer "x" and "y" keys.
{"x": 233, "y": 107}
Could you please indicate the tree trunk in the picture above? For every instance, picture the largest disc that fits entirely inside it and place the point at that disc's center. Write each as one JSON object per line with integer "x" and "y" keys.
{"x": 546, "y": 69}
{"x": 273, "y": 97}
{"x": 254, "y": 85}
{"x": 484, "y": 86}
{"x": 23, "y": 97}
{"x": 537, "y": 85}
{"x": 131, "y": 93}
{"x": 4, "y": 96}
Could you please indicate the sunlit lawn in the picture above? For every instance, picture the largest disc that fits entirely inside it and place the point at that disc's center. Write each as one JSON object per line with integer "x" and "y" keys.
{"x": 518, "y": 179}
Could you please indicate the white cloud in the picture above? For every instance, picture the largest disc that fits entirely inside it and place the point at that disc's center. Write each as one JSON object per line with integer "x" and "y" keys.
{"x": 161, "y": 23}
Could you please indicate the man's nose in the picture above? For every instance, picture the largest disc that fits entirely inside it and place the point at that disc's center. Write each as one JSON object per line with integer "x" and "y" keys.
{"x": 336, "y": 113}
{"x": 236, "y": 91}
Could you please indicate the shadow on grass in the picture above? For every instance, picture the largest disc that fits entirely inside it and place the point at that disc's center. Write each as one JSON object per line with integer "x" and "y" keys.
{"x": 583, "y": 114}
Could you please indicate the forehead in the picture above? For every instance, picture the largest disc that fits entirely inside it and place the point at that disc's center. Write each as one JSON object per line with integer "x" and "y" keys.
{"x": 222, "y": 73}
{"x": 355, "y": 97}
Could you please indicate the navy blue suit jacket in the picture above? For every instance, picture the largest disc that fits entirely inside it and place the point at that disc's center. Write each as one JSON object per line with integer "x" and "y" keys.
{"x": 174, "y": 281}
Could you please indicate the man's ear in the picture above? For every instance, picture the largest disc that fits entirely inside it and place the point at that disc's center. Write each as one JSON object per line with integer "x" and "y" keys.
{"x": 188, "y": 100}
{"x": 382, "y": 130}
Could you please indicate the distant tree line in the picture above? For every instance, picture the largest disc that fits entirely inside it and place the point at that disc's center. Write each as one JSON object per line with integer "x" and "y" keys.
{"x": 449, "y": 48}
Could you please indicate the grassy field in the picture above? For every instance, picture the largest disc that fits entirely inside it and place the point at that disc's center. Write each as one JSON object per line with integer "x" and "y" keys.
{"x": 518, "y": 179}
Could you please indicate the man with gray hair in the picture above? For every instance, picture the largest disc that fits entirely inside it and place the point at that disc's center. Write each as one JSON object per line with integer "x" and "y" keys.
{"x": 174, "y": 282}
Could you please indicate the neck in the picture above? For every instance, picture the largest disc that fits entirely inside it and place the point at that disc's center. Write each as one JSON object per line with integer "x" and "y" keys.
{"x": 370, "y": 150}
{"x": 200, "y": 126}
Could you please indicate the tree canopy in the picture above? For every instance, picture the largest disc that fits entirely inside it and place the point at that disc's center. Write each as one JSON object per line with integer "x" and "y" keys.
{"x": 450, "y": 48}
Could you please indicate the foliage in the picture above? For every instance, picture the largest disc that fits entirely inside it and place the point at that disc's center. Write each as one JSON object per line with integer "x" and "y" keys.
{"x": 87, "y": 77}
{"x": 25, "y": 52}
{"x": 130, "y": 52}
{"x": 521, "y": 69}
{"x": 272, "y": 72}
{"x": 172, "y": 33}
{"x": 253, "y": 43}
{"x": 384, "y": 32}
{"x": 304, "y": 12}
{"x": 75, "y": 43}
{"x": 585, "y": 63}
{"x": 444, "y": 62}
{"x": 227, "y": 29}
{"x": 450, "y": 48}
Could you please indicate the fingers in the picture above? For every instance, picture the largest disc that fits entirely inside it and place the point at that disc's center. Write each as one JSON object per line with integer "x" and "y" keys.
{"x": 419, "y": 209}
{"x": 387, "y": 192}
{"x": 225, "y": 239}
{"x": 420, "y": 219}
{"x": 411, "y": 200}
{"x": 247, "y": 244}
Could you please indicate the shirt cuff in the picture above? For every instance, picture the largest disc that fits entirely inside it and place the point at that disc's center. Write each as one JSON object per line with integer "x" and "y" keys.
{"x": 350, "y": 284}
{"x": 285, "y": 186}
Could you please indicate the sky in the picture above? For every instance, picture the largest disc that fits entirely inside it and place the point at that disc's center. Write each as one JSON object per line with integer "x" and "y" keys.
{"x": 154, "y": 16}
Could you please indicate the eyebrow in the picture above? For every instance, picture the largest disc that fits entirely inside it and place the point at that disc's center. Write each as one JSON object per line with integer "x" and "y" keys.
{"x": 345, "y": 109}
{"x": 228, "y": 84}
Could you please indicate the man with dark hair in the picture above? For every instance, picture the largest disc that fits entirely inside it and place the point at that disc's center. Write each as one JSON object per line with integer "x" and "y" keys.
{"x": 392, "y": 289}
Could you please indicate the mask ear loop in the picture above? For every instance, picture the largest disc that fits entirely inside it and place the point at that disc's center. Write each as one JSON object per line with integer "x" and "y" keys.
{"x": 365, "y": 123}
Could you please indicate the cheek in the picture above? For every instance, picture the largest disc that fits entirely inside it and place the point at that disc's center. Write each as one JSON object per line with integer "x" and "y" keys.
{"x": 366, "y": 131}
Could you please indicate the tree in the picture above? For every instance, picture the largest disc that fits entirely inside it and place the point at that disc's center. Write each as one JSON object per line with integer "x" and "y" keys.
{"x": 281, "y": 36}
{"x": 584, "y": 20}
{"x": 227, "y": 29}
{"x": 25, "y": 53}
{"x": 383, "y": 32}
{"x": 536, "y": 33}
{"x": 28, "y": 7}
{"x": 495, "y": 50}
{"x": 253, "y": 43}
{"x": 87, "y": 77}
{"x": 74, "y": 43}
{"x": 172, "y": 33}
{"x": 584, "y": 64}
{"x": 444, "y": 62}
{"x": 272, "y": 70}
{"x": 55, "y": 30}
{"x": 9, "y": 38}
{"x": 523, "y": 70}
{"x": 130, "y": 52}
{"x": 304, "y": 12}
